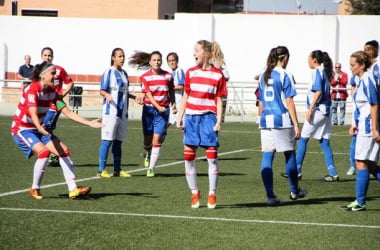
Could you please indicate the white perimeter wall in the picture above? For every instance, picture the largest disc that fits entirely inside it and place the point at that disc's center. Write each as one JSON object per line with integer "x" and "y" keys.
{"x": 84, "y": 45}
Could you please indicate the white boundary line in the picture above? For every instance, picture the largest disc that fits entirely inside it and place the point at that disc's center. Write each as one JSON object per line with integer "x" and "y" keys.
{"x": 131, "y": 171}
{"x": 167, "y": 216}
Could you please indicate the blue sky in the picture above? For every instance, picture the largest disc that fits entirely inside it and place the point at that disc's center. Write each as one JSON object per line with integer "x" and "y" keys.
{"x": 308, "y": 6}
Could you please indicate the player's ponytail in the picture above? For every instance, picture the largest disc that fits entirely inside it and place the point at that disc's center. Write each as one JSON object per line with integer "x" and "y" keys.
{"x": 38, "y": 69}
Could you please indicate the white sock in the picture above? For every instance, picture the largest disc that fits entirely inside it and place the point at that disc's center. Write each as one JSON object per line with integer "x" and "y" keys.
{"x": 213, "y": 174}
{"x": 38, "y": 172}
{"x": 68, "y": 171}
{"x": 191, "y": 176}
{"x": 154, "y": 156}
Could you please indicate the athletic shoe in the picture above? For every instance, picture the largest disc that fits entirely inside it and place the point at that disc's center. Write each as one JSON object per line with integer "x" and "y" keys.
{"x": 53, "y": 161}
{"x": 285, "y": 175}
{"x": 351, "y": 171}
{"x": 300, "y": 194}
{"x": 121, "y": 173}
{"x": 104, "y": 174}
{"x": 150, "y": 173}
{"x": 274, "y": 201}
{"x": 195, "y": 199}
{"x": 354, "y": 207}
{"x": 147, "y": 160}
{"x": 330, "y": 178}
{"x": 211, "y": 204}
{"x": 35, "y": 193}
{"x": 79, "y": 191}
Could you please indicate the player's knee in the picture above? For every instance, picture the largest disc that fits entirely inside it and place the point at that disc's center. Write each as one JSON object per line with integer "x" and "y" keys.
{"x": 212, "y": 153}
{"x": 44, "y": 153}
{"x": 189, "y": 155}
{"x": 65, "y": 154}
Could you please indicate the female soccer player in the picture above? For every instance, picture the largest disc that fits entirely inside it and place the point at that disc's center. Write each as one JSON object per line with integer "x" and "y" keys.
{"x": 365, "y": 126}
{"x": 33, "y": 138}
{"x": 317, "y": 123}
{"x": 278, "y": 123}
{"x": 157, "y": 84}
{"x": 205, "y": 86}
{"x": 114, "y": 90}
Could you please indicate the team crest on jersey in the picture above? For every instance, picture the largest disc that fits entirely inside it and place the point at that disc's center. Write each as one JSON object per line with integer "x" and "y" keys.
{"x": 31, "y": 98}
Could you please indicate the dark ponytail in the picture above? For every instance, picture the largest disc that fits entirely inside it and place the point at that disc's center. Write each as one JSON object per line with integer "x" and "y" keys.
{"x": 38, "y": 68}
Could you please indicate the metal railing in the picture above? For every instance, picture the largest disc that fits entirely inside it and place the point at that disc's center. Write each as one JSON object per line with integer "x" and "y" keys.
{"x": 241, "y": 99}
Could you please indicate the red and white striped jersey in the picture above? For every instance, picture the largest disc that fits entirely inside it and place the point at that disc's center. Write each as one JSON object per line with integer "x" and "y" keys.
{"x": 33, "y": 96}
{"x": 61, "y": 77}
{"x": 203, "y": 87}
{"x": 158, "y": 85}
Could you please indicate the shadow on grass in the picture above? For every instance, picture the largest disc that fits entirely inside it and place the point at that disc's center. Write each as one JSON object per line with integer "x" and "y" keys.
{"x": 96, "y": 196}
{"x": 316, "y": 201}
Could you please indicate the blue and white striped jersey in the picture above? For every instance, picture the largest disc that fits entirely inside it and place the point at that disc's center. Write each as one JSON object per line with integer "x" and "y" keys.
{"x": 364, "y": 97}
{"x": 320, "y": 83}
{"x": 273, "y": 95}
{"x": 116, "y": 83}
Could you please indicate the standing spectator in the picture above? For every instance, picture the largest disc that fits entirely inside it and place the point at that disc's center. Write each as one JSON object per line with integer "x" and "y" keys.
{"x": 114, "y": 90}
{"x": 317, "y": 123}
{"x": 158, "y": 88}
{"x": 25, "y": 72}
{"x": 278, "y": 123}
{"x": 178, "y": 80}
{"x": 61, "y": 77}
{"x": 339, "y": 95}
{"x": 365, "y": 126}
{"x": 205, "y": 86}
{"x": 31, "y": 136}
{"x": 218, "y": 61}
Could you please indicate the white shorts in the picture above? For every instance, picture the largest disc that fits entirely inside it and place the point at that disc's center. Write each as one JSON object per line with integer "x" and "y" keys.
{"x": 366, "y": 148}
{"x": 320, "y": 126}
{"x": 115, "y": 128}
{"x": 279, "y": 140}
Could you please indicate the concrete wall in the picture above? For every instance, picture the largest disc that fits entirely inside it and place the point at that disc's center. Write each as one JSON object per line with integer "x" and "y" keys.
{"x": 83, "y": 45}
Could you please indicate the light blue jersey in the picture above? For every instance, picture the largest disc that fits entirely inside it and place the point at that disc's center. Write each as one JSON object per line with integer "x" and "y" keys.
{"x": 320, "y": 83}
{"x": 273, "y": 95}
{"x": 116, "y": 83}
{"x": 364, "y": 97}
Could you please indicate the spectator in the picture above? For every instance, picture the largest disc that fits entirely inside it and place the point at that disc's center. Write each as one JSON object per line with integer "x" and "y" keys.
{"x": 338, "y": 95}
{"x": 25, "y": 71}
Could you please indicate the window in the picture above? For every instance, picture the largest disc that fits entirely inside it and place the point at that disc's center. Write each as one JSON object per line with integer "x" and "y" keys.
{"x": 36, "y": 12}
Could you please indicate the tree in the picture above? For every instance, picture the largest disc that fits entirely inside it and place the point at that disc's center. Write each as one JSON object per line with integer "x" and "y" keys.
{"x": 363, "y": 7}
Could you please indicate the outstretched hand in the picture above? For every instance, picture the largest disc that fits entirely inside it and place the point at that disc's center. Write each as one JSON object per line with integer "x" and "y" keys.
{"x": 96, "y": 124}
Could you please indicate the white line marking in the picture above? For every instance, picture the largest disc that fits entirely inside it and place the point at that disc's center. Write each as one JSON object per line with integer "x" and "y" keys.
{"x": 168, "y": 216}
{"x": 132, "y": 171}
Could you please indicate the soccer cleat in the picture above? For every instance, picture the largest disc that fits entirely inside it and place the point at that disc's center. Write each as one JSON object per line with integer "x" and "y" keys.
{"x": 147, "y": 160}
{"x": 104, "y": 174}
{"x": 195, "y": 199}
{"x": 53, "y": 161}
{"x": 121, "y": 173}
{"x": 354, "y": 207}
{"x": 300, "y": 194}
{"x": 211, "y": 201}
{"x": 274, "y": 201}
{"x": 285, "y": 175}
{"x": 150, "y": 173}
{"x": 351, "y": 171}
{"x": 330, "y": 178}
{"x": 35, "y": 193}
{"x": 79, "y": 191}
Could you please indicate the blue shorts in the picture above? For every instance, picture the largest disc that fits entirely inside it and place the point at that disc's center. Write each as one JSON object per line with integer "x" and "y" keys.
{"x": 199, "y": 131}
{"x": 26, "y": 139}
{"x": 154, "y": 122}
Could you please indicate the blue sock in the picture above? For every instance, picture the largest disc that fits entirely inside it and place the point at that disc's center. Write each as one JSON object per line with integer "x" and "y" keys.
{"x": 301, "y": 151}
{"x": 267, "y": 173}
{"x": 329, "y": 158}
{"x": 116, "y": 152}
{"x": 103, "y": 154}
{"x": 291, "y": 170}
{"x": 352, "y": 151}
{"x": 362, "y": 181}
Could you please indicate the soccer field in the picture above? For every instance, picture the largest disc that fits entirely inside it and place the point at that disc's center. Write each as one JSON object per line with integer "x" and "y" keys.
{"x": 155, "y": 213}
